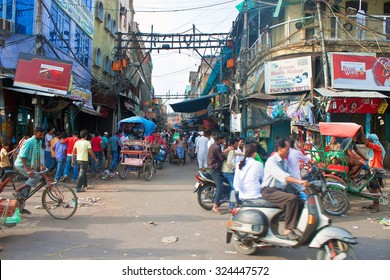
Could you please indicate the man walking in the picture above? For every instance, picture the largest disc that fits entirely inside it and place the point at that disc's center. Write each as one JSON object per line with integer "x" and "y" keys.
{"x": 97, "y": 143}
{"x": 70, "y": 141}
{"x": 82, "y": 148}
{"x": 215, "y": 157}
{"x": 202, "y": 150}
{"x": 113, "y": 144}
{"x": 48, "y": 157}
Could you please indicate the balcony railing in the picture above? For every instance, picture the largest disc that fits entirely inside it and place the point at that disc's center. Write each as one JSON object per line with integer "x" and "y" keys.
{"x": 335, "y": 28}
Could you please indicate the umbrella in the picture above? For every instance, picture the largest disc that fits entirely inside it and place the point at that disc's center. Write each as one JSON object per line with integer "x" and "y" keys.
{"x": 148, "y": 125}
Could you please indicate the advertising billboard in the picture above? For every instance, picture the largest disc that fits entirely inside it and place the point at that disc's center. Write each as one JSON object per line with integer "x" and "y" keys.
{"x": 43, "y": 74}
{"x": 361, "y": 71}
{"x": 288, "y": 75}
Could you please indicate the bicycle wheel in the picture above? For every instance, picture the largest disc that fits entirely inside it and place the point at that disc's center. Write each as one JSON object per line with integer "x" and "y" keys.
{"x": 148, "y": 170}
{"x": 59, "y": 201}
{"x": 123, "y": 170}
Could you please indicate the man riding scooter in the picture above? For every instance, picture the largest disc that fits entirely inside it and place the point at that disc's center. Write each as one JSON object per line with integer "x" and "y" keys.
{"x": 276, "y": 177}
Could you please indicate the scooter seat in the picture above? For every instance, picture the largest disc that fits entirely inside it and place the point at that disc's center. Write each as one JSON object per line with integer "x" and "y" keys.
{"x": 258, "y": 202}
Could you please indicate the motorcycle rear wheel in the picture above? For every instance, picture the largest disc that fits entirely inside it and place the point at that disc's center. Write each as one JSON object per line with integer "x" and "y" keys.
{"x": 206, "y": 196}
{"x": 335, "y": 202}
{"x": 340, "y": 247}
{"x": 159, "y": 164}
{"x": 244, "y": 248}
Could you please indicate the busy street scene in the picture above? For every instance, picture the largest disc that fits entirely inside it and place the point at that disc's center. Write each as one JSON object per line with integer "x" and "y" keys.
{"x": 194, "y": 130}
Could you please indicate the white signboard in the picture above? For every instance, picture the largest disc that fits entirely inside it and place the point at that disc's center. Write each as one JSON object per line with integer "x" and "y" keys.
{"x": 288, "y": 75}
{"x": 235, "y": 123}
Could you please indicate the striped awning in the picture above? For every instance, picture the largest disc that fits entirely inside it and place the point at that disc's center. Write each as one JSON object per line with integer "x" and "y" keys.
{"x": 356, "y": 94}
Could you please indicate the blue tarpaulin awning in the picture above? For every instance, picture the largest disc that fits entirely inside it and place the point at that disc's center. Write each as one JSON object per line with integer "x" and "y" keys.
{"x": 193, "y": 105}
{"x": 148, "y": 125}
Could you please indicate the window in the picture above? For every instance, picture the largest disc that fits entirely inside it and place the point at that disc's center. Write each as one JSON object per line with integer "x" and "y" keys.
{"x": 107, "y": 65}
{"x": 24, "y": 18}
{"x": 59, "y": 28}
{"x": 114, "y": 27}
{"x": 82, "y": 46}
{"x": 386, "y": 8}
{"x": 100, "y": 12}
{"x": 88, "y": 3}
{"x": 355, "y": 5}
{"x": 108, "y": 22}
{"x": 98, "y": 57}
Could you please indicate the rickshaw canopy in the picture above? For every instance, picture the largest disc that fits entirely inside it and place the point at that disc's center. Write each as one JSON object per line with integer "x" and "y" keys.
{"x": 148, "y": 125}
{"x": 339, "y": 129}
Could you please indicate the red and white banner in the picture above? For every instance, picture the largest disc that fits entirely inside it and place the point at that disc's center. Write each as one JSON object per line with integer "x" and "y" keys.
{"x": 354, "y": 105}
{"x": 43, "y": 74}
{"x": 360, "y": 71}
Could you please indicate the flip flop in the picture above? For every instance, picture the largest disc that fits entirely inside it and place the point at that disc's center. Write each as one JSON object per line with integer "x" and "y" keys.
{"x": 368, "y": 207}
{"x": 374, "y": 210}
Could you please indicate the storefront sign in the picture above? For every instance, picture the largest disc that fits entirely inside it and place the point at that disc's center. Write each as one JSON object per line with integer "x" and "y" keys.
{"x": 288, "y": 75}
{"x": 78, "y": 11}
{"x": 360, "y": 71}
{"x": 84, "y": 96}
{"x": 354, "y": 105}
{"x": 43, "y": 74}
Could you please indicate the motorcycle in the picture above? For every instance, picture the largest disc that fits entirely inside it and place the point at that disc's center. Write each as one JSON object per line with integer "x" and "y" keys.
{"x": 255, "y": 225}
{"x": 205, "y": 189}
{"x": 160, "y": 158}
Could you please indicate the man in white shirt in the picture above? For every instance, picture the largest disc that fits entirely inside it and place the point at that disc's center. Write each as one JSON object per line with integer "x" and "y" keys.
{"x": 239, "y": 152}
{"x": 294, "y": 158}
{"x": 212, "y": 139}
{"x": 202, "y": 150}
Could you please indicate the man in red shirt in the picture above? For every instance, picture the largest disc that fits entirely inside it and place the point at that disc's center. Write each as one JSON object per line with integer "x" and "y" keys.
{"x": 159, "y": 141}
{"x": 376, "y": 154}
{"x": 70, "y": 141}
{"x": 97, "y": 149}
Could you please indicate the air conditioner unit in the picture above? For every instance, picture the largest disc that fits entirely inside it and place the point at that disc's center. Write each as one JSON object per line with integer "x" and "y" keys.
{"x": 5, "y": 25}
{"x": 123, "y": 11}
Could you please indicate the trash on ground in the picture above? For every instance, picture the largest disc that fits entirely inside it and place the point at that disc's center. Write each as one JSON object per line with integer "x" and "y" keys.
{"x": 231, "y": 252}
{"x": 89, "y": 201}
{"x": 355, "y": 227}
{"x": 169, "y": 239}
{"x": 150, "y": 223}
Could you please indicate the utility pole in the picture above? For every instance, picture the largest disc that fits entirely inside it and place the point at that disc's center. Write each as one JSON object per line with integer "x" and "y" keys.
{"x": 244, "y": 70}
{"x": 39, "y": 51}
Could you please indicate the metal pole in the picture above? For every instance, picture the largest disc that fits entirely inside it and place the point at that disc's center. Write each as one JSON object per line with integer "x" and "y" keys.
{"x": 323, "y": 50}
{"x": 244, "y": 69}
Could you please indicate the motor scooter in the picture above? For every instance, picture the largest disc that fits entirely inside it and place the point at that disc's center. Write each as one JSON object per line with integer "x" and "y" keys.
{"x": 205, "y": 189}
{"x": 160, "y": 157}
{"x": 255, "y": 224}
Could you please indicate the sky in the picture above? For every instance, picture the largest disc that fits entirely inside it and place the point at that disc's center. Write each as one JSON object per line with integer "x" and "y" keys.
{"x": 171, "y": 69}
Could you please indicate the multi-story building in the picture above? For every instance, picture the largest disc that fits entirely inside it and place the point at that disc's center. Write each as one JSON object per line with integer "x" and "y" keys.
{"x": 321, "y": 60}
{"x": 58, "y": 62}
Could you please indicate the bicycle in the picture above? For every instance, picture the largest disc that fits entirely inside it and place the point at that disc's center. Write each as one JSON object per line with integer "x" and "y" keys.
{"x": 59, "y": 201}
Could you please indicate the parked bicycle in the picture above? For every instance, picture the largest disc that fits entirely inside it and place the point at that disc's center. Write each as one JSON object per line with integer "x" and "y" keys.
{"x": 59, "y": 201}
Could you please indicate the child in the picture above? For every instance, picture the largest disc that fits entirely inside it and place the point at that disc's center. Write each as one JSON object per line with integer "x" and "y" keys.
{"x": 4, "y": 157}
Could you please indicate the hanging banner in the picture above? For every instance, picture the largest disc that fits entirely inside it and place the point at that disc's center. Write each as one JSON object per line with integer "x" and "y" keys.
{"x": 43, "y": 74}
{"x": 84, "y": 96}
{"x": 354, "y": 105}
{"x": 361, "y": 71}
{"x": 288, "y": 75}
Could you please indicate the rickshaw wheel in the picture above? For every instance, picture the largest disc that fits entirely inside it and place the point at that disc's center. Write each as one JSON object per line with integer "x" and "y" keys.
{"x": 148, "y": 170}
{"x": 123, "y": 171}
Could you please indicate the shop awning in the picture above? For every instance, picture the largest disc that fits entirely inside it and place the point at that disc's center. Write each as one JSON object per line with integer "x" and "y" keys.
{"x": 30, "y": 91}
{"x": 88, "y": 111}
{"x": 261, "y": 96}
{"x": 352, "y": 102}
{"x": 356, "y": 94}
{"x": 194, "y": 104}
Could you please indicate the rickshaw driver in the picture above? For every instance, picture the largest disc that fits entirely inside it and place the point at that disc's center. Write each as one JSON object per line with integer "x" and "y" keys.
{"x": 354, "y": 163}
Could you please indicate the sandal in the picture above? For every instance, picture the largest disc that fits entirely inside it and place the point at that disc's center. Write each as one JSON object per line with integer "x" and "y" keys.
{"x": 217, "y": 210}
{"x": 368, "y": 207}
{"x": 374, "y": 210}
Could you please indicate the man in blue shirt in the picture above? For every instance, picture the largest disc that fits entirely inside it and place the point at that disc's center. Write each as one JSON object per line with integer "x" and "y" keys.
{"x": 113, "y": 143}
{"x": 28, "y": 163}
{"x": 105, "y": 147}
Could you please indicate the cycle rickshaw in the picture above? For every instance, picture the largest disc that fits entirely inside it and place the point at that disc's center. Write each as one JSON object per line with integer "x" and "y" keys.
{"x": 137, "y": 156}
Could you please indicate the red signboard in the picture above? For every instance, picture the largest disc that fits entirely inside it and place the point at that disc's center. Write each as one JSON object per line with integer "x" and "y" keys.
{"x": 43, "y": 74}
{"x": 360, "y": 71}
{"x": 354, "y": 105}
